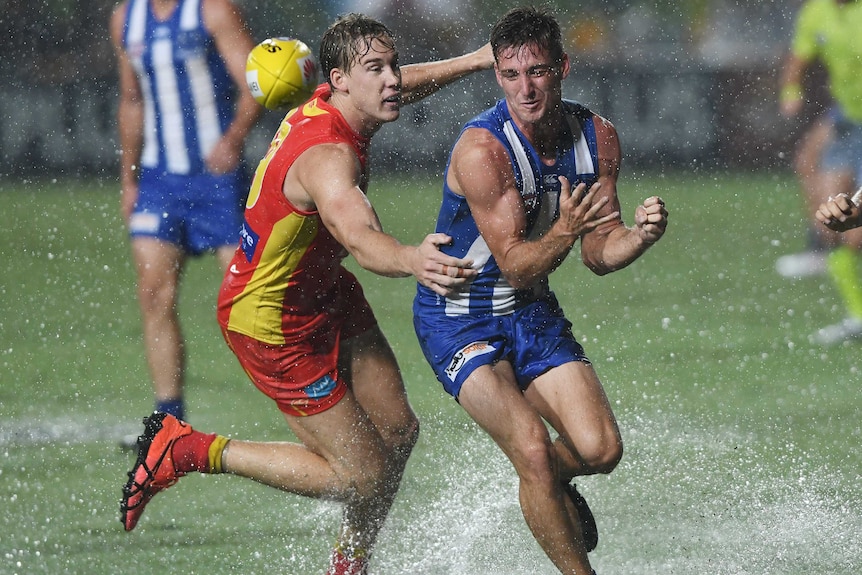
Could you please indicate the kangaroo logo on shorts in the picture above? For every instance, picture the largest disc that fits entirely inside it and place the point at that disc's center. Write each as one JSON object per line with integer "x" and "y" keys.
{"x": 465, "y": 354}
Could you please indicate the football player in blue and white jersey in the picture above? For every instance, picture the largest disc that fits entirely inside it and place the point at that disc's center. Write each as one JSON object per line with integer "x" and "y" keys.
{"x": 526, "y": 179}
{"x": 183, "y": 117}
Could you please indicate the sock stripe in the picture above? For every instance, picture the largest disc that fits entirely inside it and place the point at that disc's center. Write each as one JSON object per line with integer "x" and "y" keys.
{"x": 216, "y": 450}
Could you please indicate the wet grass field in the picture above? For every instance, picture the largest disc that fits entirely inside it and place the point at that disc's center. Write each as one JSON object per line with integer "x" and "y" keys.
{"x": 742, "y": 438}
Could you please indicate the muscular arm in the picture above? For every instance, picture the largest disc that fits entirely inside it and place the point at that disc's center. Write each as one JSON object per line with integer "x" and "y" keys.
{"x": 421, "y": 80}
{"x": 348, "y": 215}
{"x": 481, "y": 171}
{"x": 130, "y": 116}
{"x": 612, "y": 245}
{"x": 224, "y": 21}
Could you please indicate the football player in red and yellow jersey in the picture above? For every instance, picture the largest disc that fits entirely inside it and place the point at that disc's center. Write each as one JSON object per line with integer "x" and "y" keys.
{"x": 298, "y": 321}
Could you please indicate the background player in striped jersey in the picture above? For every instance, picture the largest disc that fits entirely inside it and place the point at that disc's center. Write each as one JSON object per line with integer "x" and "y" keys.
{"x": 184, "y": 113}
{"x": 501, "y": 345}
{"x": 297, "y": 319}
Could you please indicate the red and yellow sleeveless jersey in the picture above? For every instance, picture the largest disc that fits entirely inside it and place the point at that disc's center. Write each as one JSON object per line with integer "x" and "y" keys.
{"x": 284, "y": 275}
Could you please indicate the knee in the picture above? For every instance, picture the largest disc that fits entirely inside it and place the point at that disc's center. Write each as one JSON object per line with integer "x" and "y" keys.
{"x": 603, "y": 455}
{"x": 401, "y": 439}
{"x": 400, "y": 446}
{"x": 155, "y": 297}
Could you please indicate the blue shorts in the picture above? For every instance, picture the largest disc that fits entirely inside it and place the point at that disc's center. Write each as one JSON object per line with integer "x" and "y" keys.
{"x": 198, "y": 213}
{"x": 534, "y": 339}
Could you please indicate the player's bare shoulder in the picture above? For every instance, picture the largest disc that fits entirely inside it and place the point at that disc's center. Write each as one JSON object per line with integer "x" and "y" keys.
{"x": 318, "y": 171}
{"x": 115, "y": 25}
{"x": 213, "y": 10}
{"x": 605, "y": 129}
{"x": 477, "y": 156}
{"x": 607, "y": 146}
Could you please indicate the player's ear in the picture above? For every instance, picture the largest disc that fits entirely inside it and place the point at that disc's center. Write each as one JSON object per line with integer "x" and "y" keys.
{"x": 564, "y": 66}
{"x": 338, "y": 79}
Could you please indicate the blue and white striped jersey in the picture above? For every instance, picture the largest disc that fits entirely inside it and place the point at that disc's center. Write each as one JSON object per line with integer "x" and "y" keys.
{"x": 490, "y": 293}
{"x": 187, "y": 90}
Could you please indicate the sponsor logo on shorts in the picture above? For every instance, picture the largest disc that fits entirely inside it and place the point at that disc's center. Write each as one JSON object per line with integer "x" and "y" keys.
{"x": 465, "y": 354}
{"x": 320, "y": 388}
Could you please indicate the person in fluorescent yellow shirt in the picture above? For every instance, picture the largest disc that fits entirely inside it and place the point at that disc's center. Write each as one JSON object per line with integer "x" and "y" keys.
{"x": 829, "y": 31}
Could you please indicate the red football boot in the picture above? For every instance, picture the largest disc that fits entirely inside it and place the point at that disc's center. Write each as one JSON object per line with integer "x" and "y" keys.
{"x": 154, "y": 470}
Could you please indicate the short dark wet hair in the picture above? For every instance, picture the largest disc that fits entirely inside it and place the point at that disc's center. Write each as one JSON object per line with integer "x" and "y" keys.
{"x": 527, "y": 25}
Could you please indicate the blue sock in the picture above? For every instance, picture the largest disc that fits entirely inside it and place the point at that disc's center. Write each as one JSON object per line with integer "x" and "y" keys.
{"x": 175, "y": 407}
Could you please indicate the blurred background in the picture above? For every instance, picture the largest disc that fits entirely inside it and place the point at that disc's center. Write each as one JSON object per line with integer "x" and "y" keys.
{"x": 689, "y": 85}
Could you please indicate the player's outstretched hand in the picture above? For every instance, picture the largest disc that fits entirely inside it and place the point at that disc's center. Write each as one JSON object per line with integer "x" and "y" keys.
{"x": 579, "y": 210}
{"x": 651, "y": 219}
{"x": 438, "y": 271}
{"x": 839, "y": 213}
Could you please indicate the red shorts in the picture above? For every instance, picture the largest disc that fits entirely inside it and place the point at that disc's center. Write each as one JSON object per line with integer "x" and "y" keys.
{"x": 302, "y": 377}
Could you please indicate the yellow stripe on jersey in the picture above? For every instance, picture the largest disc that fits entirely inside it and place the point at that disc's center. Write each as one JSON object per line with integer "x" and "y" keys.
{"x": 260, "y": 172}
{"x": 308, "y": 110}
{"x": 257, "y": 311}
